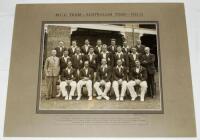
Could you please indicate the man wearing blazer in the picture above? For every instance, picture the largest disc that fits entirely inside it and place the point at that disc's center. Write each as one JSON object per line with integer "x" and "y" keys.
{"x": 138, "y": 76}
{"x": 60, "y": 49}
{"x": 64, "y": 60}
{"x": 72, "y": 49}
{"x": 132, "y": 57}
{"x": 106, "y": 55}
{"x": 98, "y": 48}
{"x": 68, "y": 78}
{"x": 92, "y": 58}
{"x": 104, "y": 75}
{"x": 85, "y": 48}
{"x": 125, "y": 48}
{"x": 119, "y": 78}
{"x": 77, "y": 61}
{"x": 139, "y": 47}
{"x": 52, "y": 69}
{"x": 97, "y": 51}
{"x": 147, "y": 61}
{"x": 86, "y": 77}
{"x": 113, "y": 47}
{"x": 120, "y": 55}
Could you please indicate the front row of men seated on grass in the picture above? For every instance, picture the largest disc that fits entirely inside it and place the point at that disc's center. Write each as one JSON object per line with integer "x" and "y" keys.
{"x": 100, "y": 72}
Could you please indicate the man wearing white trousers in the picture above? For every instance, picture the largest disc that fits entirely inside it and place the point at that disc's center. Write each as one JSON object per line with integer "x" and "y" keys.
{"x": 86, "y": 77}
{"x": 119, "y": 78}
{"x": 138, "y": 76}
{"x": 68, "y": 77}
{"x": 103, "y": 79}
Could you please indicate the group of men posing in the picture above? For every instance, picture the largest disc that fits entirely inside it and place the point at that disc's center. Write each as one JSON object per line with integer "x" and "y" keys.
{"x": 101, "y": 68}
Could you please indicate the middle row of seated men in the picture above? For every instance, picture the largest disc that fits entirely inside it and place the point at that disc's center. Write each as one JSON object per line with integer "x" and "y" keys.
{"x": 128, "y": 60}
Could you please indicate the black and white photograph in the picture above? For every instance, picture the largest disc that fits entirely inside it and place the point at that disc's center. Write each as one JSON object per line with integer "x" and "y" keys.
{"x": 94, "y": 67}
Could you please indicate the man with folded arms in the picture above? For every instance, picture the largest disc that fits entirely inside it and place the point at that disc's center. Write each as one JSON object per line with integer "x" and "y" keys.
{"x": 86, "y": 77}
{"x": 68, "y": 78}
{"x": 119, "y": 78}
{"x": 138, "y": 76}
{"x": 103, "y": 79}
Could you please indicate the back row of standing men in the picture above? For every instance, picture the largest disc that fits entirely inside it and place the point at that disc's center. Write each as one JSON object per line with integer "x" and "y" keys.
{"x": 101, "y": 54}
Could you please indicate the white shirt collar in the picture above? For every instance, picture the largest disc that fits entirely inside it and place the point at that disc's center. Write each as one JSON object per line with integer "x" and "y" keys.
{"x": 119, "y": 67}
{"x": 104, "y": 66}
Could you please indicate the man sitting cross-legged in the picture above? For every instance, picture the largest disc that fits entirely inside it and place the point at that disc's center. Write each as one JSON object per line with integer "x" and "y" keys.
{"x": 86, "y": 77}
{"x": 103, "y": 79}
{"x": 68, "y": 77}
{"x": 119, "y": 78}
{"x": 138, "y": 76}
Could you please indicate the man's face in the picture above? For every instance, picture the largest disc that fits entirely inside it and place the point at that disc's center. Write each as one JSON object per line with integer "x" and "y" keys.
{"x": 87, "y": 42}
{"x": 53, "y": 52}
{"x": 69, "y": 64}
{"x": 125, "y": 43}
{"x": 119, "y": 62}
{"x": 61, "y": 43}
{"x": 104, "y": 48}
{"x": 133, "y": 50}
{"x": 138, "y": 42}
{"x": 119, "y": 49}
{"x": 98, "y": 42}
{"x": 147, "y": 50}
{"x": 77, "y": 50}
{"x": 91, "y": 50}
{"x": 86, "y": 64}
{"x": 73, "y": 43}
{"x": 65, "y": 53}
{"x": 113, "y": 42}
{"x": 137, "y": 63}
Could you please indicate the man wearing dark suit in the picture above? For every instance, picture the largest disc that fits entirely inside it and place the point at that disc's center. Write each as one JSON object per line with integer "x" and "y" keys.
{"x": 86, "y": 78}
{"x": 97, "y": 51}
{"x": 85, "y": 47}
{"x": 138, "y": 76}
{"x": 147, "y": 61}
{"x": 72, "y": 49}
{"x": 68, "y": 78}
{"x": 139, "y": 47}
{"x": 119, "y": 78}
{"x": 132, "y": 57}
{"x": 64, "y": 60}
{"x": 77, "y": 61}
{"x": 60, "y": 49}
{"x": 120, "y": 55}
{"x": 104, "y": 74}
{"x": 98, "y": 48}
{"x": 113, "y": 47}
{"x": 125, "y": 48}
{"x": 92, "y": 58}
{"x": 106, "y": 55}
{"x": 52, "y": 69}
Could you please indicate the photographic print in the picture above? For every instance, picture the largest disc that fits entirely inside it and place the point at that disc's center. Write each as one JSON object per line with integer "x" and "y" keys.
{"x": 100, "y": 67}
{"x": 118, "y": 68}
